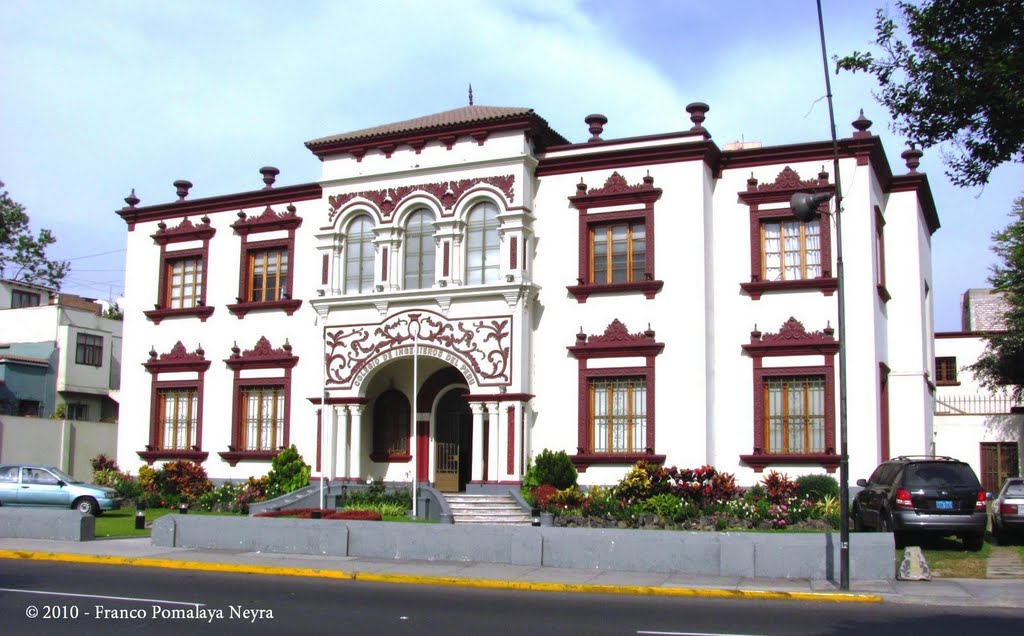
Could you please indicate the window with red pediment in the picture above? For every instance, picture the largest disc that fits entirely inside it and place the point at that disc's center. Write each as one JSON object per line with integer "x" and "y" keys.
{"x": 176, "y": 405}
{"x": 261, "y": 401}
{"x": 616, "y": 247}
{"x": 266, "y": 268}
{"x": 787, "y": 254}
{"x": 616, "y": 423}
{"x": 184, "y": 264}
{"x": 794, "y": 405}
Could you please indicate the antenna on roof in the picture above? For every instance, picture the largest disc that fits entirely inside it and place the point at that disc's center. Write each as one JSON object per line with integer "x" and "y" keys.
{"x": 470, "y": 94}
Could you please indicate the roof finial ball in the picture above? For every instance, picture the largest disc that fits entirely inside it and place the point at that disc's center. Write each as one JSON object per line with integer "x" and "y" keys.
{"x": 596, "y": 123}
{"x": 912, "y": 156}
{"x": 269, "y": 176}
{"x": 470, "y": 93}
{"x": 182, "y": 187}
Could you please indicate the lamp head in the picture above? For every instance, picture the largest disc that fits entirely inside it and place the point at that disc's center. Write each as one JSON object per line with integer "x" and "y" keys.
{"x": 805, "y": 205}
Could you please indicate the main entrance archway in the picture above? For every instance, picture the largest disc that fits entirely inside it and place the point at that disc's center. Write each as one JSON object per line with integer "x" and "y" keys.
{"x": 453, "y": 432}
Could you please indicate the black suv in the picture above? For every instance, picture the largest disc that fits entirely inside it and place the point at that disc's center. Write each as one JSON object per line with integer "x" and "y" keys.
{"x": 918, "y": 494}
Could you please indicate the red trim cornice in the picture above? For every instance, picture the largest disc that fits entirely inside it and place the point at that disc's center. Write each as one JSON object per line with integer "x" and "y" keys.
{"x": 616, "y": 342}
{"x": 339, "y": 400}
{"x": 498, "y": 397}
{"x": 792, "y": 340}
{"x": 287, "y": 306}
{"x": 185, "y": 231}
{"x": 209, "y": 205}
{"x": 178, "y": 359}
{"x": 202, "y": 312}
{"x": 267, "y": 221}
{"x": 828, "y": 461}
{"x": 262, "y": 356}
{"x": 627, "y": 157}
{"x": 582, "y": 461}
{"x": 448, "y": 135}
{"x": 156, "y": 455}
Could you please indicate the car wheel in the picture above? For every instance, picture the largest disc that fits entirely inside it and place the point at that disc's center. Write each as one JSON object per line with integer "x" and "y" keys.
{"x": 974, "y": 542}
{"x": 86, "y": 506}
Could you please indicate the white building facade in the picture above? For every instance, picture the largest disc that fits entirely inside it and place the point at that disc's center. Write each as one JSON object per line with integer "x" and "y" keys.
{"x": 462, "y": 290}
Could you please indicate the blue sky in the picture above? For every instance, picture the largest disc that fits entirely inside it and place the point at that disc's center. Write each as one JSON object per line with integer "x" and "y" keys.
{"x": 102, "y": 97}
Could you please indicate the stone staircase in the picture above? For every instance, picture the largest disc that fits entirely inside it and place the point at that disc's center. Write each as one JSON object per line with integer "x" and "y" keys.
{"x": 487, "y": 509}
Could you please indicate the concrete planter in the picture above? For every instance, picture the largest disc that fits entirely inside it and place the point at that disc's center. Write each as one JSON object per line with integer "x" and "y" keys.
{"x": 738, "y": 554}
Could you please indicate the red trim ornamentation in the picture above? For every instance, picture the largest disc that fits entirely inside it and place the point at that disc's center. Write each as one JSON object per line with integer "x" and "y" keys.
{"x": 262, "y": 356}
{"x": 615, "y": 192}
{"x": 615, "y": 342}
{"x": 786, "y": 184}
{"x": 178, "y": 360}
{"x": 268, "y": 221}
{"x": 196, "y": 207}
{"x": 186, "y": 231}
{"x": 792, "y": 340}
{"x": 447, "y": 192}
{"x": 480, "y": 348}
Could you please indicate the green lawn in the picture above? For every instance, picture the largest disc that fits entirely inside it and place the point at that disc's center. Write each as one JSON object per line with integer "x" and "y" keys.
{"x": 121, "y": 523}
{"x": 947, "y": 559}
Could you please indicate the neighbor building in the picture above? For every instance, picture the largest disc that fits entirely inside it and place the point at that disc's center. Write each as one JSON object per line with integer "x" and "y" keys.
{"x": 473, "y": 271}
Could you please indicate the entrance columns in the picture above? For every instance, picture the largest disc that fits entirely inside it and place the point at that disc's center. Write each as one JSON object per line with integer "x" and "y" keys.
{"x": 515, "y": 422}
{"x": 336, "y": 439}
{"x": 478, "y": 441}
{"x": 493, "y": 441}
{"x": 355, "y": 465}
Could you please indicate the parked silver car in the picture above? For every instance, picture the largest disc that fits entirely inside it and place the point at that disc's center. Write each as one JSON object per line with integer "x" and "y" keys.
{"x": 1008, "y": 511}
{"x": 37, "y": 485}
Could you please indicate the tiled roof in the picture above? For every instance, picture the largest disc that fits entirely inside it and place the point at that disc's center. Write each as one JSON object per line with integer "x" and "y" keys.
{"x": 5, "y": 357}
{"x": 456, "y": 117}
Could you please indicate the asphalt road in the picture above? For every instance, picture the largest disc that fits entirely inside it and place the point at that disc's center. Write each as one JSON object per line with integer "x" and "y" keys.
{"x": 59, "y": 598}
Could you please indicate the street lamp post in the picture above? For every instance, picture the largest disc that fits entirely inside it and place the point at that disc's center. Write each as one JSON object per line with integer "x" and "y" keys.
{"x": 805, "y": 207}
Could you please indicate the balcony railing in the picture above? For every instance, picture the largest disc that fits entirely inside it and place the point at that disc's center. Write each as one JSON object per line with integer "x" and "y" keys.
{"x": 974, "y": 405}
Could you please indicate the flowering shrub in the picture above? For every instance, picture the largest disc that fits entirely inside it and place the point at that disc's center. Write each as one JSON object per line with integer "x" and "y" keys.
{"x": 542, "y": 495}
{"x": 643, "y": 482}
{"x": 356, "y": 515}
{"x": 182, "y": 481}
{"x": 704, "y": 485}
{"x": 102, "y": 463}
{"x": 568, "y": 499}
{"x": 778, "y": 488}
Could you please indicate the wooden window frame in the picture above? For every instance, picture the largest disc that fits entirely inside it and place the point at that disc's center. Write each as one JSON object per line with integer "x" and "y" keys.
{"x": 176, "y": 364}
{"x": 250, "y": 229}
{"x": 176, "y": 244}
{"x": 269, "y": 426}
{"x": 615, "y": 193}
{"x": 616, "y": 342}
{"x": 191, "y": 423}
{"x": 951, "y": 376}
{"x": 363, "y": 262}
{"x": 883, "y": 292}
{"x": 769, "y": 202}
{"x": 792, "y": 340}
{"x": 629, "y": 416}
{"x": 89, "y": 353}
{"x": 278, "y": 364}
{"x": 485, "y": 264}
{"x": 782, "y": 222}
{"x": 426, "y": 238}
{"x": 787, "y": 420}
{"x": 19, "y": 296}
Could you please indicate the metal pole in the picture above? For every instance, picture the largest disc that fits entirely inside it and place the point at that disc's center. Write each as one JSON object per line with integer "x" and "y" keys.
{"x": 415, "y": 395}
{"x": 844, "y": 457}
{"x": 323, "y": 416}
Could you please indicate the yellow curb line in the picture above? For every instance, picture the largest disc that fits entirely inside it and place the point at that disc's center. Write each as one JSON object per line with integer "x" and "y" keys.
{"x": 411, "y": 579}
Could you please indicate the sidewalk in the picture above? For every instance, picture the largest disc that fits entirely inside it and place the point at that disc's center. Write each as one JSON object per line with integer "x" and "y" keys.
{"x": 139, "y": 552}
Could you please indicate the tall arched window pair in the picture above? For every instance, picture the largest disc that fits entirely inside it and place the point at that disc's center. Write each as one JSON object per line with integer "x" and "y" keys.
{"x": 420, "y": 249}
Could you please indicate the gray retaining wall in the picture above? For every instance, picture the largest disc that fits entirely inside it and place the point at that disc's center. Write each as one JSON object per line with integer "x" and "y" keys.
{"x": 741, "y": 554}
{"x": 41, "y": 523}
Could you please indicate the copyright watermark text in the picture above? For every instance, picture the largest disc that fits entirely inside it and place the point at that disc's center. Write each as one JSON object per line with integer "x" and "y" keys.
{"x": 155, "y": 612}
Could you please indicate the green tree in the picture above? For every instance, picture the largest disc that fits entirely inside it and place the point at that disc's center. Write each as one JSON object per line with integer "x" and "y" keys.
{"x": 1002, "y": 364}
{"x": 114, "y": 312}
{"x": 959, "y": 79}
{"x": 23, "y": 256}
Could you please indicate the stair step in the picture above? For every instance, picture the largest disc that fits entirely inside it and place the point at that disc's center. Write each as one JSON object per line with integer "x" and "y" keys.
{"x": 487, "y": 509}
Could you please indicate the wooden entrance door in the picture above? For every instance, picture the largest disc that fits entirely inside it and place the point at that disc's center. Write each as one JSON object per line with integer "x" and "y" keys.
{"x": 453, "y": 442}
{"x": 999, "y": 460}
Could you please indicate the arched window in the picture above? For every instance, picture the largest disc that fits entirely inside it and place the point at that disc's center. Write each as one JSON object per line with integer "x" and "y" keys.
{"x": 390, "y": 426}
{"x": 482, "y": 244}
{"x": 359, "y": 256}
{"x": 419, "y": 250}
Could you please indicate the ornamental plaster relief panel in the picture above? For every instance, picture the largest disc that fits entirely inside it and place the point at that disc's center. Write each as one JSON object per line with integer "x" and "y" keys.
{"x": 479, "y": 347}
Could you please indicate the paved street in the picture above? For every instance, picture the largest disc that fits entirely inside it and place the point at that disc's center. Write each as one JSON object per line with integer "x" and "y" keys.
{"x": 94, "y": 599}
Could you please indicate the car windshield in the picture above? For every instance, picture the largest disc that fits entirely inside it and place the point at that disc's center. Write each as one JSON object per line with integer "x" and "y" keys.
{"x": 939, "y": 474}
{"x": 63, "y": 476}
